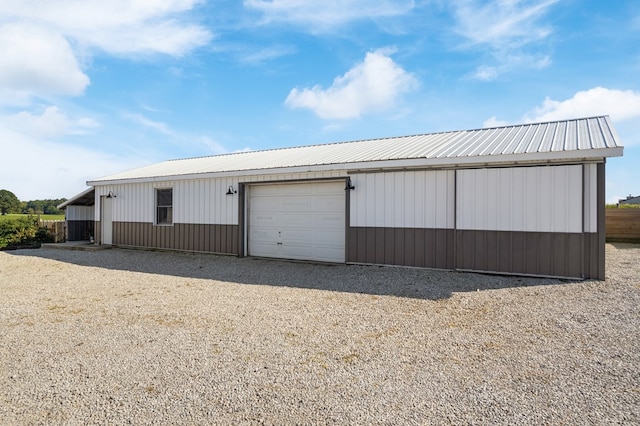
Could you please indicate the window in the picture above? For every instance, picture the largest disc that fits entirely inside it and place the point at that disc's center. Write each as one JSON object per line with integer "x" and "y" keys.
{"x": 164, "y": 206}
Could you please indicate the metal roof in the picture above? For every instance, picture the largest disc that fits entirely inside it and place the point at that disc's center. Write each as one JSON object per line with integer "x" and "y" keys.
{"x": 630, "y": 200}
{"x": 85, "y": 198}
{"x": 576, "y": 139}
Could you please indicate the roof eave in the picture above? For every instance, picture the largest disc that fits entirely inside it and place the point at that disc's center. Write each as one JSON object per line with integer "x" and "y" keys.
{"x": 75, "y": 198}
{"x": 471, "y": 161}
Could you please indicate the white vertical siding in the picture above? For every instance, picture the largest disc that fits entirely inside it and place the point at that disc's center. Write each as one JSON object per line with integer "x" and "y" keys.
{"x": 132, "y": 202}
{"x": 79, "y": 213}
{"x": 409, "y": 201}
{"x": 443, "y": 205}
{"x": 198, "y": 201}
{"x": 590, "y": 198}
{"x": 544, "y": 199}
{"x": 194, "y": 200}
{"x": 536, "y": 199}
{"x": 405, "y": 199}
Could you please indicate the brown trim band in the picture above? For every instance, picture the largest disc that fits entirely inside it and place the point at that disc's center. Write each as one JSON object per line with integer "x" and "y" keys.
{"x": 181, "y": 236}
{"x": 429, "y": 248}
{"x": 532, "y": 253}
{"x": 571, "y": 255}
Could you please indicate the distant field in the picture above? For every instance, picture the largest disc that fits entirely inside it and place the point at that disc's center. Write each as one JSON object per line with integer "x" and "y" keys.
{"x": 42, "y": 216}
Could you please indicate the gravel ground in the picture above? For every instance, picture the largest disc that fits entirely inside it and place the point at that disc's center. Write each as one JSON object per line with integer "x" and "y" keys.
{"x": 139, "y": 337}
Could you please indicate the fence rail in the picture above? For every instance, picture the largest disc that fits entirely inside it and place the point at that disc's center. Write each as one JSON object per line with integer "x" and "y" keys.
{"x": 622, "y": 225}
{"x": 57, "y": 229}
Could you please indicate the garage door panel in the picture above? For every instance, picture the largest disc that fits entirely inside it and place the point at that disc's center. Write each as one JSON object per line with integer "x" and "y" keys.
{"x": 322, "y": 189}
{"x": 296, "y": 204}
{"x": 330, "y": 220}
{"x": 329, "y": 237}
{"x": 262, "y": 219}
{"x": 306, "y": 235}
{"x": 263, "y": 235}
{"x": 326, "y": 254}
{"x": 305, "y": 252}
{"x": 290, "y": 219}
{"x": 317, "y": 220}
{"x": 279, "y": 190}
{"x": 265, "y": 204}
{"x": 298, "y": 221}
{"x": 330, "y": 204}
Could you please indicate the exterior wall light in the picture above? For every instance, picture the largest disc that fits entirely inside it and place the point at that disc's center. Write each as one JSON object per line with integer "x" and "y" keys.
{"x": 349, "y": 185}
{"x": 111, "y": 195}
{"x": 231, "y": 191}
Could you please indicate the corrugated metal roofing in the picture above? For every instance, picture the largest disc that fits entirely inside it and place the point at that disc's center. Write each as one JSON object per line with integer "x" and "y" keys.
{"x": 585, "y": 138}
{"x": 85, "y": 198}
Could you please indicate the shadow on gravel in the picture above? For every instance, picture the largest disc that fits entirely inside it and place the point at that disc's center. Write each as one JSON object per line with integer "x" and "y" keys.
{"x": 375, "y": 280}
{"x": 624, "y": 245}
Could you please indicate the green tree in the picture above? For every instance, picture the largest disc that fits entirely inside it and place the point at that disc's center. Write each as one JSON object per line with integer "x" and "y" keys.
{"x": 9, "y": 203}
{"x": 42, "y": 206}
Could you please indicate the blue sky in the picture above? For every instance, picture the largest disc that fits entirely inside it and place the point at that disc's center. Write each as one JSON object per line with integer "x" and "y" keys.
{"x": 89, "y": 88}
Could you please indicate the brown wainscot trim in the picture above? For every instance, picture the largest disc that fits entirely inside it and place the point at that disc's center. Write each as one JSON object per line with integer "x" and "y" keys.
{"x": 570, "y": 255}
{"x": 427, "y": 248}
{"x": 567, "y": 255}
{"x": 213, "y": 238}
{"x": 97, "y": 228}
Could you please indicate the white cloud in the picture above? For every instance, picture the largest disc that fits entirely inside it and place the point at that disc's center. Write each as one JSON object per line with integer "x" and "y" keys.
{"x": 146, "y": 122}
{"x": 213, "y": 146}
{"x": 245, "y": 149}
{"x": 487, "y": 73}
{"x": 494, "y": 122}
{"x": 258, "y": 56}
{"x": 372, "y": 85}
{"x": 505, "y": 28}
{"x": 621, "y": 105}
{"x": 43, "y": 169}
{"x": 36, "y": 60}
{"x": 51, "y": 123}
{"x": 116, "y": 26}
{"x": 501, "y": 23}
{"x": 509, "y": 62}
{"x": 173, "y": 136}
{"x": 635, "y": 22}
{"x": 321, "y": 16}
{"x": 43, "y": 40}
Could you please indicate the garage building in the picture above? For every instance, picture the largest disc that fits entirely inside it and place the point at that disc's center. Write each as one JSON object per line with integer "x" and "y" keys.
{"x": 523, "y": 199}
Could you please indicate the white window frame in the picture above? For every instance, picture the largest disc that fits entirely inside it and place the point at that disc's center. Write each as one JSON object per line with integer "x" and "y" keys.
{"x": 169, "y": 207}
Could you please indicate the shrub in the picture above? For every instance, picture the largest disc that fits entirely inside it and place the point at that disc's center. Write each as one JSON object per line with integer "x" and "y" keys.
{"x": 21, "y": 231}
{"x": 623, "y": 206}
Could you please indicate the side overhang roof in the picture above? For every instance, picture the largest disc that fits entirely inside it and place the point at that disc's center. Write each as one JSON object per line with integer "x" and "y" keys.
{"x": 631, "y": 200}
{"x": 584, "y": 139}
{"x": 85, "y": 198}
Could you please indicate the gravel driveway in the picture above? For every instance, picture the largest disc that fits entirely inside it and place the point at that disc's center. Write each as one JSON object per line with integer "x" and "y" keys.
{"x": 125, "y": 336}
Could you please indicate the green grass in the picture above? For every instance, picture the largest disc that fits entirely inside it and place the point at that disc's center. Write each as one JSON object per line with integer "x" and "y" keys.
{"x": 42, "y": 216}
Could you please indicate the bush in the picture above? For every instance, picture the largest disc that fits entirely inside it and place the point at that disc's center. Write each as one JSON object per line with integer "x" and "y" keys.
{"x": 21, "y": 231}
{"x": 623, "y": 206}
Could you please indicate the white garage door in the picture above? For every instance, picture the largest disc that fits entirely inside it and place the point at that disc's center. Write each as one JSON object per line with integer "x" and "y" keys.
{"x": 298, "y": 221}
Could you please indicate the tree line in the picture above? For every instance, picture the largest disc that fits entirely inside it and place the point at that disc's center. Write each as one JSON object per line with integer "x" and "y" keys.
{"x": 9, "y": 203}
